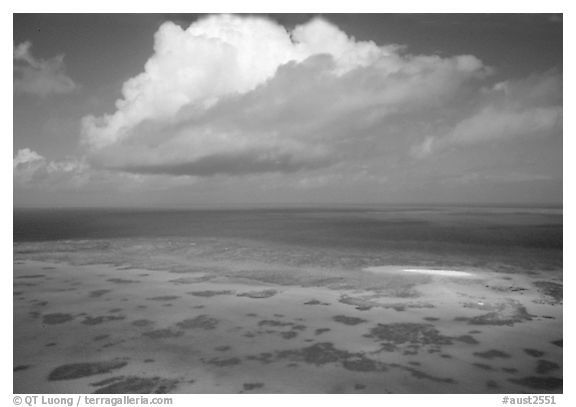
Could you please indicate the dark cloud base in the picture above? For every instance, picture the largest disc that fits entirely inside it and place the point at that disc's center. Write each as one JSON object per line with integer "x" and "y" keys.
{"x": 230, "y": 164}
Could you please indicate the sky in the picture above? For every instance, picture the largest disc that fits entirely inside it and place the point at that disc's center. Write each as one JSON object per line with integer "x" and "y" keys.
{"x": 149, "y": 110}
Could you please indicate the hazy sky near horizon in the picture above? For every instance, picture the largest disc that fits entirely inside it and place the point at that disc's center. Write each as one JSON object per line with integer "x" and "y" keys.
{"x": 181, "y": 110}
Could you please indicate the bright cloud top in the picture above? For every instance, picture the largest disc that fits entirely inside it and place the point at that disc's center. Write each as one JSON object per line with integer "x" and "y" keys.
{"x": 37, "y": 76}
{"x": 219, "y": 56}
{"x": 240, "y": 95}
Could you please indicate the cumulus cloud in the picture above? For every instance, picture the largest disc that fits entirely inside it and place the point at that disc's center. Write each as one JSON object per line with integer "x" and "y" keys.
{"x": 37, "y": 76}
{"x": 241, "y": 95}
{"x": 526, "y": 108}
{"x": 25, "y": 157}
{"x": 31, "y": 169}
{"x": 491, "y": 123}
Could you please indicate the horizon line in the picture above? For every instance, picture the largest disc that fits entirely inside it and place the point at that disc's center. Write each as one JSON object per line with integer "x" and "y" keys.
{"x": 323, "y": 205}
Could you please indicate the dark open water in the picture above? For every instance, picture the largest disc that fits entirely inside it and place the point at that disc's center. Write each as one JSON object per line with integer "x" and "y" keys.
{"x": 513, "y": 233}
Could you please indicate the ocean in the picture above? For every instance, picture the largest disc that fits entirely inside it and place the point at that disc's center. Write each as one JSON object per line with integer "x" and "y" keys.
{"x": 308, "y": 300}
{"x": 518, "y": 237}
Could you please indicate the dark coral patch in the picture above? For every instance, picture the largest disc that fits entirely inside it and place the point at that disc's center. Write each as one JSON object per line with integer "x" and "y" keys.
{"x": 100, "y": 337}
{"x": 274, "y": 323}
{"x": 317, "y": 354}
{"x": 315, "y": 302}
{"x": 413, "y": 333}
{"x": 259, "y": 294}
{"x": 138, "y": 385}
{"x": 57, "y": 318}
{"x": 539, "y": 383}
{"x": 518, "y": 314}
{"x": 323, "y": 353}
{"x": 491, "y": 354}
{"x": 200, "y": 322}
{"x": 142, "y": 322}
{"x": 163, "y": 334}
{"x": 534, "y": 352}
{"x": 78, "y": 370}
{"x": 98, "y": 293}
{"x": 122, "y": 281}
{"x": 163, "y": 298}
{"x": 252, "y": 386}
{"x": 468, "y": 339}
{"x": 491, "y": 384}
{"x": 210, "y": 293}
{"x": 551, "y": 289}
{"x": 360, "y": 363}
{"x": 546, "y": 366}
{"x": 343, "y": 319}
{"x": 102, "y": 319}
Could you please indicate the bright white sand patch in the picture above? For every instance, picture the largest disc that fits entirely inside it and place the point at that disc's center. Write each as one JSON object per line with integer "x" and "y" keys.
{"x": 436, "y": 272}
{"x": 450, "y": 273}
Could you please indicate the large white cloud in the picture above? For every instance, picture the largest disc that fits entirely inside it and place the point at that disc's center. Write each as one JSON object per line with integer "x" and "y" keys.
{"x": 38, "y": 76}
{"x": 238, "y": 95}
